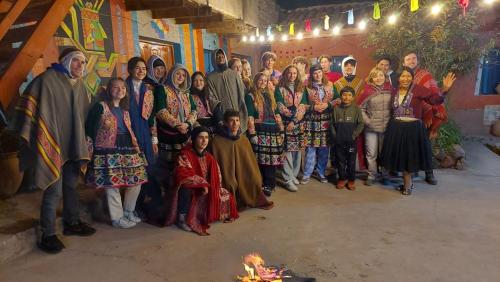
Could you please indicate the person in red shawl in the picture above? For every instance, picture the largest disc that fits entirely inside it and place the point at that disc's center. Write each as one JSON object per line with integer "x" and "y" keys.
{"x": 198, "y": 198}
{"x": 433, "y": 115}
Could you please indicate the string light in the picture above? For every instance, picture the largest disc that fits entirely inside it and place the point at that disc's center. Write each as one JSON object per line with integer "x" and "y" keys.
{"x": 262, "y": 38}
{"x": 300, "y": 36}
{"x": 392, "y": 19}
{"x": 336, "y": 30}
{"x": 252, "y": 38}
{"x": 244, "y": 38}
{"x": 270, "y": 37}
{"x": 284, "y": 37}
{"x": 436, "y": 9}
{"x": 362, "y": 24}
{"x": 489, "y": 2}
{"x": 316, "y": 31}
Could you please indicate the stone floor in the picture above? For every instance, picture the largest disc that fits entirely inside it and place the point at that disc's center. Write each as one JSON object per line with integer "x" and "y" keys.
{"x": 449, "y": 232}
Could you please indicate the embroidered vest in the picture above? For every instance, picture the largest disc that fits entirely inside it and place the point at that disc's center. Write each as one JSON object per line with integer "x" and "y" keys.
{"x": 404, "y": 109}
{"x": 314, "y": 95}
{"x": 174, "y": 105}
{"x": 148, "y": 103}
{"x": 108, "y": 129}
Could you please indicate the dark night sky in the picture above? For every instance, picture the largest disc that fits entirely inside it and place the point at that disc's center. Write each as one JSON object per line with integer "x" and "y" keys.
{"x": 294, "y": 4}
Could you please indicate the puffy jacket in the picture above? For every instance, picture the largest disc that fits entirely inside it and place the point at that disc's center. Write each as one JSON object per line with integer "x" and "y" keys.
{"x": 376, "y": 107}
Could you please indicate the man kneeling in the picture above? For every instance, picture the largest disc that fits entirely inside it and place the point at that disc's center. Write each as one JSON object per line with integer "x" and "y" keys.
{"x": 198, "y": 197}
{"x": 240, "y": 171}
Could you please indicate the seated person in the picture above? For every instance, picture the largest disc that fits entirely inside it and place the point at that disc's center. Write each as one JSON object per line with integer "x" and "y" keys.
{"x": 198, "y": 198}
{"x": 240, "y": 172}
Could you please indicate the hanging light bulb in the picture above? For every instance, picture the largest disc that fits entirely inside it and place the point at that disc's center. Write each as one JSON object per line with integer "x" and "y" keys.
{"x": 300, "y": 36}
{"x": 270, "y": 37}
{"x": 244, "y": 38}
{"x": 252, "y": 38}
{"x": 316, "y": 32}
{"x": 336, "y": 30}
{"x": 392, "y": 19}
{"x": 362, "y": 24}
{"x": 262, "y": 38}
{"x": 489, "y": 2}
{"x": 436, "y": 9}
{"x": 284, "y": 37}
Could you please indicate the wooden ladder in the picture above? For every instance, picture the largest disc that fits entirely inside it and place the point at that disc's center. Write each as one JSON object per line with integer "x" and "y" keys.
{"x": 25, "y": 29}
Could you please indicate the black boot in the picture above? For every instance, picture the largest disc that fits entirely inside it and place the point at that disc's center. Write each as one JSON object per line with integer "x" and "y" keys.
{"x": 50, "y": 244}
{"x": 81, "y": 229}
{"x": 430, "y": 179}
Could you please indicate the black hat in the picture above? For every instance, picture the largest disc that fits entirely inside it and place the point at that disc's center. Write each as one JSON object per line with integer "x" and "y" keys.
{"x": 197, "y": 130}
{"x": 314, "y": 68}
{"x": 158, "y": 63}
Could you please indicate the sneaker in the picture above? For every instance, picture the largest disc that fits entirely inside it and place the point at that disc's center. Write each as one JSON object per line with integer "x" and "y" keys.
{"x": 341, "y": 184}
{"x": 369, "y": 182}
{"x": 181, "y": 223}
{"x": 290, "y": 186}
{"x": 123, "y": 223}
{"x": 50, "y": 244}
{"x": 350, "y": 185}
{"x": 304, "y": 180}
{"x": 130, "y": 215}
{"x": 295, "y": 181}
{"x": 267, "y": 190}
{"x": 80, "y": 229}
{"x": 323, "y": 180}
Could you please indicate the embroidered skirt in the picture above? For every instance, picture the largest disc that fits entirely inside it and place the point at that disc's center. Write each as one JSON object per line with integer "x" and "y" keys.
{"x": 269, "y": 147}
{"x": 294, "y": 140}
{"x": 317, "y": 129}
{"x": 117, "y": 167}
{"x": 406, "y": 147}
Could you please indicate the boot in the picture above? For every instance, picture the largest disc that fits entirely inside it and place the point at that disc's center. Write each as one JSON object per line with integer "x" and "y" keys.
{"x": 181, "y": 223}
{"x": 341, "y": 184}
{"x": 50, "y": 244}
{"x": 429, "y": 178}
{"x": 351, "y": 186}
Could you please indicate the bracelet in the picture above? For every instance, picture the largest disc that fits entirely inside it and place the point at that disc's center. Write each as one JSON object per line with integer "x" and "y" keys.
{"x": 154, "y": 140}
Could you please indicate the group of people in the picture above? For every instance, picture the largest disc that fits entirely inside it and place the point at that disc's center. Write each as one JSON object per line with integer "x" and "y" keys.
{"x": 194, "y": 149}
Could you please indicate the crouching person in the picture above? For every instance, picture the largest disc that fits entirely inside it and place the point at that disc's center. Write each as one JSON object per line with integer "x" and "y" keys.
{"x": 116, "y": 162}
{"x": 198, "y": 198}
{"x": 347, "y": 124}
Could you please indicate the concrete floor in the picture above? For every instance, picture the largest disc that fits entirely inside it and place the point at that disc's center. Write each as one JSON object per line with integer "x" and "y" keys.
{"x": 446, "y": 233}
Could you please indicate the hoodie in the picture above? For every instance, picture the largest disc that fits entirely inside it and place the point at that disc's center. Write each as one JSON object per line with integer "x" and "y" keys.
{"x": 226, "y": 91}
{"x": 186, "y": 85}
{"x": 151, "y": 79}
{"x": 345, "y": 60}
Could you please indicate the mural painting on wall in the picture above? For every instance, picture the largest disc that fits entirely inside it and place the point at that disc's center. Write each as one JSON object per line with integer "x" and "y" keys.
{"x": 88, "y": 27}
{"x": 161, "y": 27}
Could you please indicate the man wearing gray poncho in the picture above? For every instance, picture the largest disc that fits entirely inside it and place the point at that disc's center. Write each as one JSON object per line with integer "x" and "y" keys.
{"x": 226, "y": 90}
{"x": 50, "y": 119}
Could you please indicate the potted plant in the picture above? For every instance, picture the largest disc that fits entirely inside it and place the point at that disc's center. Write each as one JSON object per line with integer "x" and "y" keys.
{"x": 10, "y": 175}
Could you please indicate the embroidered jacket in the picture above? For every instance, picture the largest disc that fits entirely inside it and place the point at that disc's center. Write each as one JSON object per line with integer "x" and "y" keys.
{"x": 262, "y": 112}
{"x": 314, "y": 98}
{"x": 291, "y": 105}
{"x": 173, "y": 109}
{"x": 102, "y": 126}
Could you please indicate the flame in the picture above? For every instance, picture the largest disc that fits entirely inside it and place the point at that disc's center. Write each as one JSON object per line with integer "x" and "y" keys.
{"x": 250, "y": 271}
{"x": 253, "y": 259}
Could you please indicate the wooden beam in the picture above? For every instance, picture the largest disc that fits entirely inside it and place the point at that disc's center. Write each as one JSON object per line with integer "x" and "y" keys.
{"x": 12, "y": 16}
{"x": 200, "y": 20}
{"x": 137, "y": 5}
{"x": 181, "y": 12}
{"x": 214, "y": 25}
{"x": 21, "y": 65}
{"x": 5, "y": 5}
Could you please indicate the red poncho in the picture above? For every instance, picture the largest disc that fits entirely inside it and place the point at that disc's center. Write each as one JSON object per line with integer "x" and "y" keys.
{"x": 195, "y": 172}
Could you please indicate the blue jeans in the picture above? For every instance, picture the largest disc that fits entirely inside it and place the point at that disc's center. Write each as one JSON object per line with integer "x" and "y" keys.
{"x": 65, "y": 185}
{"x": 322, "y": 154}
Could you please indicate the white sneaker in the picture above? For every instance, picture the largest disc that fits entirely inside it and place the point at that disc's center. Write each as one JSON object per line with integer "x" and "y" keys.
{"x": 304, "y": 181}
{"x": 130, "y": 215}
{"x": 290, "y": 186}
{"x": 123, "y": 223}
{"x": 295, "y": 181}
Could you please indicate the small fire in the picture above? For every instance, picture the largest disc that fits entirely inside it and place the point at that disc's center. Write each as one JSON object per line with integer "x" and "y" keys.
{"x": 257, "y": 271}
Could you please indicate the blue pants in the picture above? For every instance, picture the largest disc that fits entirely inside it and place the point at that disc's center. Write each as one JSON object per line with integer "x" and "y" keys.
{"x": 321, "y": 153}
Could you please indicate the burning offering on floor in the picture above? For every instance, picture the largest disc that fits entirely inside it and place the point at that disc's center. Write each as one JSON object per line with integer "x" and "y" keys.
{"x": 256, "y": 270}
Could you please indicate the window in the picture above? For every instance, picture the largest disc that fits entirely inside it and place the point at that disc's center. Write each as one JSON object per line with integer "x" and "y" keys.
{"x": 489, "y": 74}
